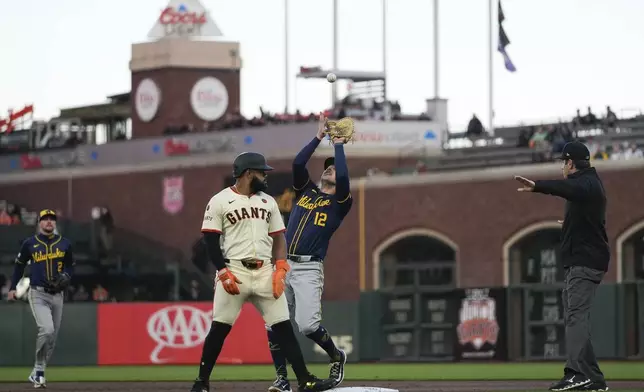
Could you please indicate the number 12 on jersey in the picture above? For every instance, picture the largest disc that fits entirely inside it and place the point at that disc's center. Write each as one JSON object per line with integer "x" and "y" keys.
{"x": 320, "y": 219}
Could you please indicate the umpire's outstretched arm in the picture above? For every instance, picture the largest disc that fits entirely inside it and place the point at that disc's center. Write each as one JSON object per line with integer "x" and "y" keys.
{"x": 300, "y": 173}
{"x": 573, "y": 189}
{"x": 342, "y": 186}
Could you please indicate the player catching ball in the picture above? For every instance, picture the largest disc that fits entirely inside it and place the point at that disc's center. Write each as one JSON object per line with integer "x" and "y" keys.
{"x": 316, "y": 215}
{"x": 244, "y": 233}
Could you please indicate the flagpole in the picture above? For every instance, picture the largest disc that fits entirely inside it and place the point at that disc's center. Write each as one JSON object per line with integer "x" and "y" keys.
{"x": 334, "y": 92}
{"x": 490, "y": 67}
{"x": 384, "y": 47}
{"x": 436, "y": 52}
{"x": 286, "y": 77}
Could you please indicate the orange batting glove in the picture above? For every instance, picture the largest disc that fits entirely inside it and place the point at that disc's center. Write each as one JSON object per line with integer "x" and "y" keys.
{"x": 279, "y": 275}
{"x": 229, "y": 281}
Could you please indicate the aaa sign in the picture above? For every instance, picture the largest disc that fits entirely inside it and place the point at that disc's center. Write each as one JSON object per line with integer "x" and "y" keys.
{"x": 173, "y": 333}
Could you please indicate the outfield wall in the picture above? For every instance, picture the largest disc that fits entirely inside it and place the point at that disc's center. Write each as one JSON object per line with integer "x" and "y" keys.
{"x": 481, "y": 324}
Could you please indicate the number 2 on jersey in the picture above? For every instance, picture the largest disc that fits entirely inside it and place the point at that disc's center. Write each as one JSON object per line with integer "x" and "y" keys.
{"x": 320, "y": 219}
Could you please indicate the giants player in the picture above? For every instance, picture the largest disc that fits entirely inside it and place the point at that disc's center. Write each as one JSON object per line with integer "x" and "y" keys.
{"x": 244, "y": 233}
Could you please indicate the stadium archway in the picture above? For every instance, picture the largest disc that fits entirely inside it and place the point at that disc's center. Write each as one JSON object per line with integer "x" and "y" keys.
{"x": 419, "y": 255}
{"x": 531, "y": 255}
{"x": 630, "y": 249}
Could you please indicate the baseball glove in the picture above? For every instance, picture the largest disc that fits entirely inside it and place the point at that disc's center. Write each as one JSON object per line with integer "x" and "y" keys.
{"x": 343, "y": 129}
{"x": 60, "y": 283}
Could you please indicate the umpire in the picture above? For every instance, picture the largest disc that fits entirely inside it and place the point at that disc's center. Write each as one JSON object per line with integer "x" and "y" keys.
{"x": 585, "y": 254}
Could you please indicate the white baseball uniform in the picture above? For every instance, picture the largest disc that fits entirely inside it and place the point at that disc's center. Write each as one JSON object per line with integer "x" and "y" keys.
{"x": 246, "y": 224}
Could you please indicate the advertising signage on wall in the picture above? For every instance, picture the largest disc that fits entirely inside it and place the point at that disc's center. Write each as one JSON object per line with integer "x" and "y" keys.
{"x": 452, "y": 325}
{"x": 173, "y": 333}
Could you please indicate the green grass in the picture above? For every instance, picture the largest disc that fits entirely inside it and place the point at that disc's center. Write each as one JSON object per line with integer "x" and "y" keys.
{"x": 355, "y": 372}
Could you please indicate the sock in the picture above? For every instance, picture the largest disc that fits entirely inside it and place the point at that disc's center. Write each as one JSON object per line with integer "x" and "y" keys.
{"x": 40, "y": 373}
{"x": 285, "y": 337}
{"x": 279, "y": 360}
{"x": 211, "y": 348}
{"x": 323, "y": 339}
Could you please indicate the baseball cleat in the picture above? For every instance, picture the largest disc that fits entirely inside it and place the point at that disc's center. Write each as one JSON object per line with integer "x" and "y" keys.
{"x": 314, "y": 384}
{"x": 38, "y": 381}
{"x": 200, "y": 386}
{"x": 336, "y": 371}
{"x": 595, "y": 386}
{"x": 570, "y": 382}
{"x": 281, "y": 384}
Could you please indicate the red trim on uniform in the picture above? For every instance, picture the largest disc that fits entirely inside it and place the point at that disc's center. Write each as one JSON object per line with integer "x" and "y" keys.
{"x": 211, "y": 231}
{"x": 234, "y": 189}
{"x": 277, "y": 232}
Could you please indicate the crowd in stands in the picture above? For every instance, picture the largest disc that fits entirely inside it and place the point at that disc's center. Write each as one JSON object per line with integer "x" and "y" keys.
{"x": 12, "y": 214}
{"x": 350, "y": 106}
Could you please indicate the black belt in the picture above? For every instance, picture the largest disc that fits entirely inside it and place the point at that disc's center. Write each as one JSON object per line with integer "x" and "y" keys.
{"x": 45, "y": 290}
{"x": 250, "y": 264}
{"x": 304, "y": 259}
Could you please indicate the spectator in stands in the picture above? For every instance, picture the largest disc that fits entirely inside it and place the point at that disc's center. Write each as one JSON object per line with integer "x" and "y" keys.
{"x": 611, "y": 118}
{"x": 421, "y": 167}
{"x": 100, "y": 294}
{"x": 475, "y": 128}
{"x": 5, "y": 218}
{"x": 557, "y": 138}
{"x": 633, "y": 152}
{"x": 591, "y": 119}
{"x": 374, "y": 171}
{"x": 139, "y": 293}
{"x": 104, "y": 225}
{"x": 524, "y": 137}
{"x": 616, "y": 153}
{"x": 541, "y": 146}
{"x": 196, "y": 294}
{"x": 597, "y": 152}
{"x": 81, "y": 294}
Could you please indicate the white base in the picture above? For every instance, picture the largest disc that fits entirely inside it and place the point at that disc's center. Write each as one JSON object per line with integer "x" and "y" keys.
{"x": 362, "y": 389}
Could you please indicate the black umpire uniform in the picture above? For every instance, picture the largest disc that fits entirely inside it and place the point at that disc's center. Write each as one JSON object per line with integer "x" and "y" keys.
{"x": 585, "y": 254}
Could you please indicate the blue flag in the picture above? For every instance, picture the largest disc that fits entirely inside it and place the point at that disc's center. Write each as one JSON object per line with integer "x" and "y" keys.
{"x": 504, "y": 41}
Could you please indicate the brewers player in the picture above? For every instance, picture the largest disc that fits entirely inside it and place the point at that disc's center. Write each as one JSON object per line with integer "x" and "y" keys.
{"x": 316, "y": 215}
{"x": 243, "y": 230}
{"x": 52, "y": 264}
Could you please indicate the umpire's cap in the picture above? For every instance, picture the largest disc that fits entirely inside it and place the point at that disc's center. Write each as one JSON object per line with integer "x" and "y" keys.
{"x": 330, "y": 161}
{"x": 249, "y": 161}
{"x": 575, "y": 151}
{"x": 47, "y": 214}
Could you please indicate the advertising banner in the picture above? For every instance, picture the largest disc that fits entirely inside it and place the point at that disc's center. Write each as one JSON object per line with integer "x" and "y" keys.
{"x": 394, "y": 134}
{"x": 173, "y": 333}
{"x": 451, "y": 325}
{"x": 481, "y": 325}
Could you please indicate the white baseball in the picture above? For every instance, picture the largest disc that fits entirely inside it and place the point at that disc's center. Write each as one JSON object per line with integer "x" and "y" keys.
{"x": 331, "y": 77}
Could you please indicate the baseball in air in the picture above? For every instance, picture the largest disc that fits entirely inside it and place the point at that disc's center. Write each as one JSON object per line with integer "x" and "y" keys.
{"x": 331, "y": 77}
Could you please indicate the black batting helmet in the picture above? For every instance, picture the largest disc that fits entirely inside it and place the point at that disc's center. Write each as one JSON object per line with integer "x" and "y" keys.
{"x": 249, "y": 161}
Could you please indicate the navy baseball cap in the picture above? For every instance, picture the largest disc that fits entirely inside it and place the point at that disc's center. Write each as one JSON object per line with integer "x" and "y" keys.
{"x": 47, "y": 214}
{"x": 575, "y": 151}
{"x": 330, "y": 161}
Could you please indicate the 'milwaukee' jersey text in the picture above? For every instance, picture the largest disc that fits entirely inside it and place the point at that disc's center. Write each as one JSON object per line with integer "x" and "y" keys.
{"x": 245, "y": 223}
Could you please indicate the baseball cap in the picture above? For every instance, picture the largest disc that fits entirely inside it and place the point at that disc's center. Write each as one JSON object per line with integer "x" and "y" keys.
{"x": 575, "y": 151}
{"x": 47, "y": 213}
{"x": 329, "y": 162}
